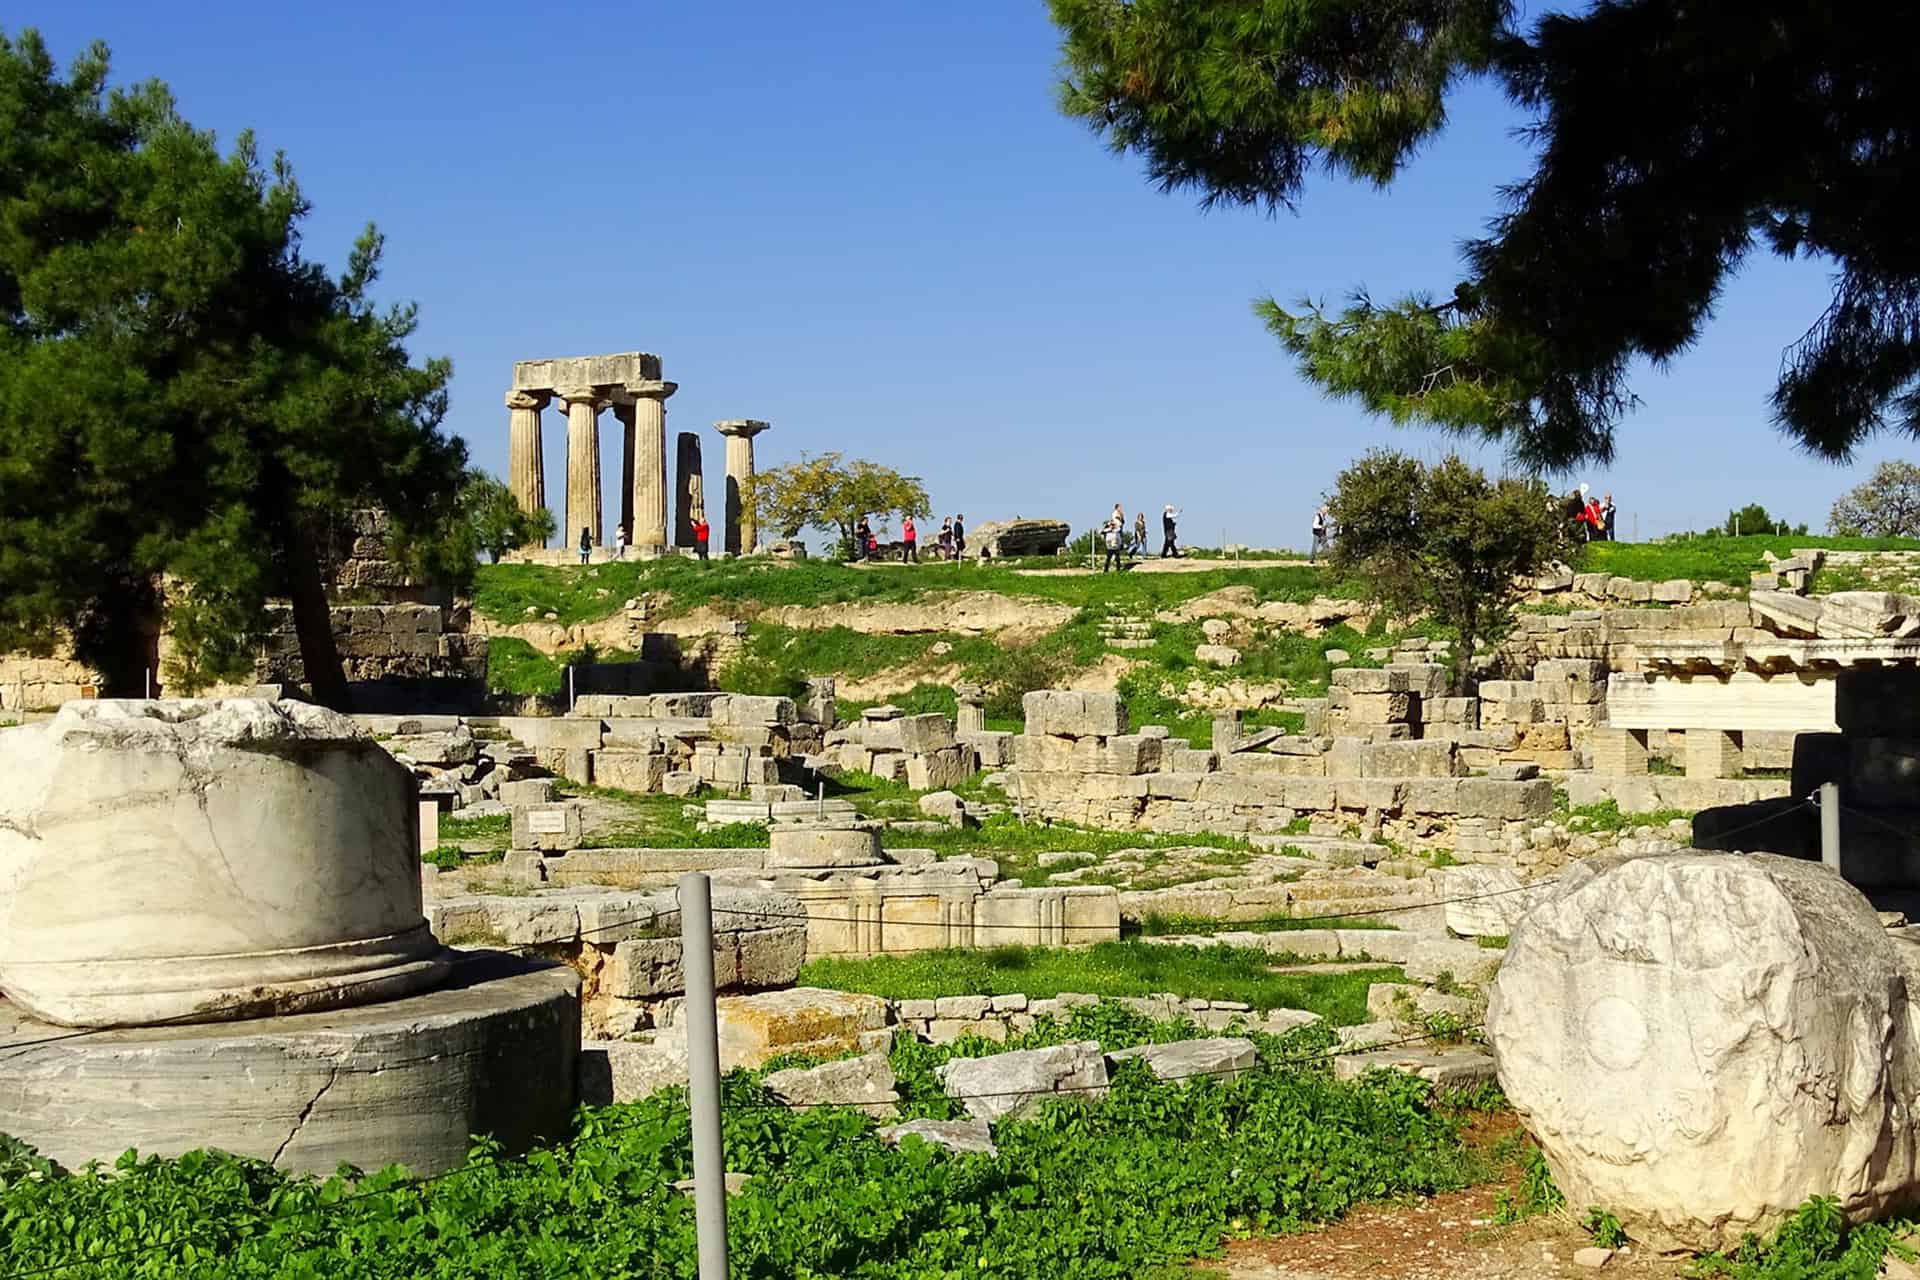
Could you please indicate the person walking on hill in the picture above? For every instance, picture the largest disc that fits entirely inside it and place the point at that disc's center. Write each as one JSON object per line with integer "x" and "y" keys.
{"x": 1140, "y": 533}
{"x": 862, "y": 538}
{"x": 946, "y": 538}
{"x": 1169, "y": 520}
{"x": 1319, "y": 535}
{"x": 701, "y": 532}
{"x": 586, "y": 545}
{"x": 1112, "y": 537}
{"x": 1606, "y": 519}
{"x": 959, "y": 537}
{"x": 909, "y": 541}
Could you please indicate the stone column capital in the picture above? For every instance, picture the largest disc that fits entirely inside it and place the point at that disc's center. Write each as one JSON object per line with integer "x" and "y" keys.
{"x": 651, "y": 390}
{"x": 518, "y": 399}
{"x": 595, "y": 396}
{"x": 743, "y": 428}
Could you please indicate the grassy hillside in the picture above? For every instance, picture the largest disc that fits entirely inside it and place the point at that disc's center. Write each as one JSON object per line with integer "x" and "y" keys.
{"x": 577, "y": 593}
{"x": 1714, "y": 559}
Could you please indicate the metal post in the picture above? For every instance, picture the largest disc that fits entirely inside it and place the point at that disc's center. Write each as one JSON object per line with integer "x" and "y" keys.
{"x": 570, "y": 695}
{"x": 146, "y": 682}
{"x": 703, "y": 1074}
{"x": 1830, "y": 826}
{"x": 820, "y": 800}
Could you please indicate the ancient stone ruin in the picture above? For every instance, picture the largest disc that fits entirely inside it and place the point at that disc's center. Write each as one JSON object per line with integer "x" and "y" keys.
{"x": 225, "y": 896}
{"x": 629, "y": 383}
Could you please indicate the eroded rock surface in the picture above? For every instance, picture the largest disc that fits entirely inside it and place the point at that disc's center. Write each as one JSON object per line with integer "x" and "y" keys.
{"x": 1700, "y": 1042}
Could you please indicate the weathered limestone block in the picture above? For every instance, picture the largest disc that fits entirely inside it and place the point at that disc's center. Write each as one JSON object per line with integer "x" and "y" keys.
{"x": 1411, "y": 759}
{"x": 1190, "y": 760}
{"x": 1381, "y": 708}
{"x": 440, "y": 750}
{"x": 1011, "y": 1084}
{"x": 743, "y": 959}
{"x": 1044, "y": 752}
{"x": 526, "y": 791}
{"x": 1217, "y": 655}
{"x": 811, "y": 1020}
{"x": 619, "y": 1071}
{"x": 1428, "y": 679}
{"x": 917, "y": 734}
{"x": 1432, "y": 795}
{"x": 1073, "y": 714}
{"x": 1728, "y": 1001}
{"x": 948, "y": 767}
{"x": 627, "y": 770}
{"x": 206, "y": 860}
{"x": 865, "y": 1082}
{"x": 793, "y": 846}
{"x": 1460, "y": 711}
{"x": 1457, "y": 1068}
{"x": 1484, "y": 902}
{"x": 1126, "y": 753}
{"x": 966, "y": 1137}
{"x": 1371, "y": 680}
{"x": 1569, "y": 680}
{"x": 739, "y": 710}
{"x": 1221, "y": 1058}
{"x": 992, "y": 748}
{"x": 1361, "y": 794}
{"x": 1486, "y": 798}
{"x": 550, "y": 828}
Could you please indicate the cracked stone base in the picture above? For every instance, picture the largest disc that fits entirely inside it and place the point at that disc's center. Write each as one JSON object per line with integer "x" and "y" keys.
{"x": 494, "y": 1051}
{"x": 122, "y": 993}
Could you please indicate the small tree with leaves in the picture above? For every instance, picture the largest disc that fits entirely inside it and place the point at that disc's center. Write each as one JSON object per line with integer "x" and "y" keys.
{"x": 1886, "y": 506}
{"x": 1444, "y": 540}
{"x": 823, "y": 492}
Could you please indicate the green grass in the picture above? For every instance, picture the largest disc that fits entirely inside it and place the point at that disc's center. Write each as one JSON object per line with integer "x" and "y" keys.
{"x": 1128, "y": 968}
{"x": 1606, "y": 816}
{"x": 1713, "y": 559}
{"x": 1159, "y": 926}
{"x": 460, "y": 830}
{"x": 573, "y": 593}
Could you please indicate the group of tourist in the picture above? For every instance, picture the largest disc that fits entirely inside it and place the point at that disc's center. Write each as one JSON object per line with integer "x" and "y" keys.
{"x": 701, "y": 532}
{"x": 1114, "y": 535}
{"x": 1592, "y": 518}
{"x": 952, "y": 544}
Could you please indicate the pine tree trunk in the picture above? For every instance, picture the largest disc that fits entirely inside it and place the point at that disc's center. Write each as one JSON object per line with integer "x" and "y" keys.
{"x": 313, "y": 619}
{"x": 119, "y": 641}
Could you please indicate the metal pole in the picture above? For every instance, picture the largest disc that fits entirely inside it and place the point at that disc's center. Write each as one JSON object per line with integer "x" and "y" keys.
{"x": 146, "y": 682}
{"x": 570, "y": 695}
{"x": 1830, "y": 826}
{"x": 820, "y": 800}
{"x": 703, "y": 1074}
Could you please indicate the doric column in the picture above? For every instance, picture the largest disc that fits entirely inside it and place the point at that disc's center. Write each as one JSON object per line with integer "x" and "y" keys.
{"x": 687, "y": 485}
{"x": 739, "y": 433}
{"x": 646, "y": 490}
{"x": 583, "y": 463}
{"x": 526, "y": 467}
{"x": 623, "y": 413}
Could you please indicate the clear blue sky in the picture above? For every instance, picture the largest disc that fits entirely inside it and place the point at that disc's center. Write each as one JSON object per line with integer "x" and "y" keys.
{"x": 865, "y": 222}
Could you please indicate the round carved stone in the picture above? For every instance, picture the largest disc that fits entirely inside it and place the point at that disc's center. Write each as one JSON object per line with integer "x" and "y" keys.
{"x": 202, "y": 860}
{"x": 493, "y": 1051}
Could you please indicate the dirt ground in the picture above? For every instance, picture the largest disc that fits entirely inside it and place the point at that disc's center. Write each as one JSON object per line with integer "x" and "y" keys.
{"x": 1447, "y": 1237}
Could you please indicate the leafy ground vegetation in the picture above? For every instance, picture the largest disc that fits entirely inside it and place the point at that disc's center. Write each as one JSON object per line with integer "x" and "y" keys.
{"x": 1130, "y": 1189}
{"x": 1154, "y": 1175}
{"x": 1130, "y": 968}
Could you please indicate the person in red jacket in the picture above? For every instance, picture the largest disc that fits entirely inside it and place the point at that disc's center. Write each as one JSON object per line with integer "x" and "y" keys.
{"x": 700, "y": 533}
{"x": 909, "y": 541}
